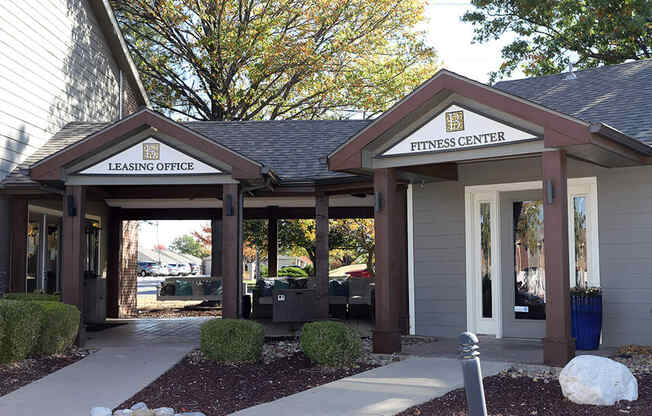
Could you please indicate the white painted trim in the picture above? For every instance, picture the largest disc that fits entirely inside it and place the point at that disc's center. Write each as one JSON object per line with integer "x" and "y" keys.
{"x": 473, "y": 195}
{"x": 588, "y": 188}
{"x": 410, "y": 259}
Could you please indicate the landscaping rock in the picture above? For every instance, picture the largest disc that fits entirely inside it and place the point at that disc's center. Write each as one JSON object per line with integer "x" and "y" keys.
{"x": 123, "y": 412}
{"x": 100, "y": 411}
{"x": 164, "y": 411}
{"x": 589, "y": 379}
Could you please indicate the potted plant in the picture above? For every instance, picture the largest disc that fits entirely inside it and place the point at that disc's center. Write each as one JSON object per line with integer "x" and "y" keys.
{"x": 586, "y": 317}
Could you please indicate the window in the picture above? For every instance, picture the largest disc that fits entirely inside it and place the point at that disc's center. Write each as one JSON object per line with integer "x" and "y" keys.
{"x": 583, "y": 252}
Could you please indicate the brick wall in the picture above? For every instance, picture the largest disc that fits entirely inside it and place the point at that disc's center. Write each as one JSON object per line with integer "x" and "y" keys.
{"x": 128, "y": 269}
{"x": 130, "y": 104}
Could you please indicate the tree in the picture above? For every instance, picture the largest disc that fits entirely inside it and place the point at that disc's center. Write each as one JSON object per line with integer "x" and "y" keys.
{"x": 186, "y": 244}
{"x": 276, "y": 59}
{"x": 551, "y": 33}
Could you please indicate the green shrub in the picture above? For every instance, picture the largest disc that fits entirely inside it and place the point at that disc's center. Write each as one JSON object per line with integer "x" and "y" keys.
{"x": 330, "y": 343}
{"x": 232, "y": 340}
{"x": 292, "y": 272}
{"x": 22, "y": 325}
{"x": 35, "y": 296}
{"x": 59, "y": 327}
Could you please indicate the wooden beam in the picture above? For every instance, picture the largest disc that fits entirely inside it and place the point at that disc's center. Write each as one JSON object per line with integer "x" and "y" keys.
{"x": 113, "y": 266}
{"x": 216, "y": 247}
{"x": 321, "y": 256}
{"x": 231, "y": 252}
{"x": 558, "y": 346}
{"x": 74, "y": 250}
{"x": 387, "y": 336}
{"x": 272, "y": 241}
{"x": 18, "y": 260}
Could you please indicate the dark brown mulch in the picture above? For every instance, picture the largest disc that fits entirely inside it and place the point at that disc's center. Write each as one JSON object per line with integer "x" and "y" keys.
{"x": 220, "y": 389}
{"x": 15, "y": 375}
{"x": 507, "y": 396}
{"x": 180, "y": 313}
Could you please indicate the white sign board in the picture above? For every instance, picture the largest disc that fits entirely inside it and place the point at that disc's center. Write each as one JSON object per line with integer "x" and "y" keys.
{"x": 150, "y": 157}
{"x": 457, "y": 128}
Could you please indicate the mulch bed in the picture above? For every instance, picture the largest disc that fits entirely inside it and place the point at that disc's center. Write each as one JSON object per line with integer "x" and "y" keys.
{"x": 508, "y": 396}
{"x": 219, "y": 389}
{"x": 15, "y": 375}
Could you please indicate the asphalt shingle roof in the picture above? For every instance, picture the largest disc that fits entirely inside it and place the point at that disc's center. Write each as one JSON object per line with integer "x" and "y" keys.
{"x": 295, "y": 150}
{"x": 617, "y": 95}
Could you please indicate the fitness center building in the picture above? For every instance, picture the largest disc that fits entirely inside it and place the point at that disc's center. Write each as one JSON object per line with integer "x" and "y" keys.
{"x": 464, "y": 180}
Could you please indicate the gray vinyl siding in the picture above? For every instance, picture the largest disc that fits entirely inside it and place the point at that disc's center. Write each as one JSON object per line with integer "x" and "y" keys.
{"x": 625, "y": 235}
{"x": 55, "y": 67}
{"x": 439, "y": 261}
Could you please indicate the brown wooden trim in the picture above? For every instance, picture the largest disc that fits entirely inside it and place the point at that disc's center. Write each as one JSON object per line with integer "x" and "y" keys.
{"x": 51, "y": 167}
{"x": 19, "y": 214}
{"x": 321, "y": 256}
{"x": 231, "y": 252}
{"x": 387, "y": 337}
{"x": 348, "y": 157}
{"x": 73, "y": 251}
{"x": 113, "y": 264}
{"x": 272, "y": 240}
{"x": 558, "y": 346}
{"x": 161, "y": 191}
{"x": 216, "y": 246}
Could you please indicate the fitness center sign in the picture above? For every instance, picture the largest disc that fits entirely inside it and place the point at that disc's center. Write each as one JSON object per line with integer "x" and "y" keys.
{"x": 456, "y": 129}
{"x": 150, "y": 157}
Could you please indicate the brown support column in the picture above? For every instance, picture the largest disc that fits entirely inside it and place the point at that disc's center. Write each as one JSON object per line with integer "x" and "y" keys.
{"x": 216, "y": 247}
{"x": 272, "y": 241}
{"x": 18, "y": 261}
{"x": 387, "y": 336}
{"x": 321, "y": 256}
{"x": 230, "y": 250}
{"x": 113, "y": 266}
{"x": 401, "y": 240}
{"x": 558, "y": 346}
{"x": 74, "y": 248}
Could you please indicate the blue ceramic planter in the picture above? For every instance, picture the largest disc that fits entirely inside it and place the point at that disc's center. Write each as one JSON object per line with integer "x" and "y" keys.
{"x": 586, "y": 321}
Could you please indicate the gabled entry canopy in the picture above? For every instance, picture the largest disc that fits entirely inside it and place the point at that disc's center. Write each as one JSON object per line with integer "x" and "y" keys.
{"x": 450, "y": 119}
{"x": 145, "y": 144}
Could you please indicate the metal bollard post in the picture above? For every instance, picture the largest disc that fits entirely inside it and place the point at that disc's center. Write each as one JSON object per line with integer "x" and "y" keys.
{"x": 470, "y": 359}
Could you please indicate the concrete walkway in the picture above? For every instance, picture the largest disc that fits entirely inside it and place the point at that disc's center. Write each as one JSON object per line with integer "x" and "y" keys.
{"x": 382, "y": 391}
{"x": 128, "y": 358}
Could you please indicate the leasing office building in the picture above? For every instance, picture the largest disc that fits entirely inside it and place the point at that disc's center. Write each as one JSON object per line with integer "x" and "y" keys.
{"x": 464, "y": 181}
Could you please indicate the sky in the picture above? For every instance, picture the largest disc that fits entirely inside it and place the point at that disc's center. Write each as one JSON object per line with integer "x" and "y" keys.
{"x": 451, "y": 38}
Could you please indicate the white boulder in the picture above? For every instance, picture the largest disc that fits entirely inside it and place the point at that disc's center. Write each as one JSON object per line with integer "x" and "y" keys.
{"x": 588, "y": 379}
{"x": 164, "y": 411}
{"x": 101, "y": 411}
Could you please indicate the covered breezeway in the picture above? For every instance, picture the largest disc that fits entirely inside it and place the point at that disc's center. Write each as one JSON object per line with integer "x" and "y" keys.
{"x": 148, "y": 167}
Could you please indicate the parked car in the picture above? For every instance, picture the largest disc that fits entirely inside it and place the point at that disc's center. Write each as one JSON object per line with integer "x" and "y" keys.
{"x": 194, "y": 268}
{"x": 174, "y": 269}
{"x": 184, "y": 269}
{"x": 150, "y": 268}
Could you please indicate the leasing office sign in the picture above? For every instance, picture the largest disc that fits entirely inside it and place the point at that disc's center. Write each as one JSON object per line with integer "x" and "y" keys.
{"x": 150, "y": 157}
{"x": 457, "y": 128}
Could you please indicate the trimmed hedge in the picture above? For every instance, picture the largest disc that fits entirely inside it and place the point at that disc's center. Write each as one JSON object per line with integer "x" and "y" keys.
{"x": 232, "y": 340}
{"x": 39, "y": 297}
{"x": 292, "y": 272}
{"x": 332, "y": 344}
{"x": 59, "y": 327}
{"x": 22, "y": 326}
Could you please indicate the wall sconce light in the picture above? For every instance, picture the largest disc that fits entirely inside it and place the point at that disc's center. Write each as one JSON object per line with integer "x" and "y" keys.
{"x": 379, "y": 202}
{"x": 72, "y": 210}
{"x": 550, "y": 192}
